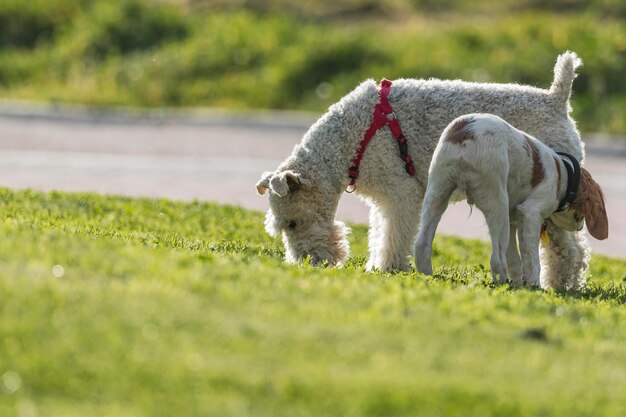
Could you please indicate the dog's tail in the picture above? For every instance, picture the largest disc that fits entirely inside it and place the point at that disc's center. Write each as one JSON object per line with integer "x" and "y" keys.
{"x": 564, "y": 74}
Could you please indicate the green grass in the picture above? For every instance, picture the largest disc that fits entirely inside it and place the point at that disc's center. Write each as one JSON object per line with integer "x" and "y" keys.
{"x": 134, "y": 307}
{"x": 281, "y": 54}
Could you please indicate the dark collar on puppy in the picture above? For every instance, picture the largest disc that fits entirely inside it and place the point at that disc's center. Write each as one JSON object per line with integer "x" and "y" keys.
{"x": 573, "y": 179}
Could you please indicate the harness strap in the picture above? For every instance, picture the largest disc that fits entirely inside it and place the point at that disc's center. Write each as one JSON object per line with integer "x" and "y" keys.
{"x": 573, "y": 179}
{"x": 383, "y": 115}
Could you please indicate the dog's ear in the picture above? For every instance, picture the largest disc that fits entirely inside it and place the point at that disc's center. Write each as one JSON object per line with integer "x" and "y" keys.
{"x": 264, "y": 183}
{"x": 590, "y": 203}
{"x": 288, "y": 181}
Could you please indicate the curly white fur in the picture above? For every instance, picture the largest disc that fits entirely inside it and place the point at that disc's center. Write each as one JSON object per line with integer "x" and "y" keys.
{"x": 565, "y": 260}
{"x": 424, "y": 108}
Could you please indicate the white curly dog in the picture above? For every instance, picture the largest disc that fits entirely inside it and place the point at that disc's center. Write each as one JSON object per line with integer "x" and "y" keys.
{"x": 517, "y": 182}
{"x": 356, "y": 142}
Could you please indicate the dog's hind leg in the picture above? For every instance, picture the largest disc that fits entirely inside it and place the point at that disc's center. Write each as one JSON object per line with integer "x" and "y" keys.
{"x": 513, "y": 261}
{"x": 438, "y": 193}
{"x": 565, "y": 259}
{"x": 492, "y": 199}
{"x": 529, "y": 230}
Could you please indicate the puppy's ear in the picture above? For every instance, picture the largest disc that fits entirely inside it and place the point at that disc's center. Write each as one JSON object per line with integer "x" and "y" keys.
{"x": 288, "y": 181}
{"x": 264, "y": 183}
{"x": 590, "y": 201}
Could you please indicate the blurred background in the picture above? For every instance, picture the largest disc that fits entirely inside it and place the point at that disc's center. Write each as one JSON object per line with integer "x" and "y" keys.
{"x": 306, "y": 54}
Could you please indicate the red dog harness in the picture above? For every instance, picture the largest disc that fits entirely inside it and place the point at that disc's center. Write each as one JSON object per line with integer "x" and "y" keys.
{"x": 383, "y": 116}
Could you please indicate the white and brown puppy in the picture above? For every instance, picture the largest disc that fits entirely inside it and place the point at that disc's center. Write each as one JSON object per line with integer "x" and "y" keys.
{"x": 517, "y": 182}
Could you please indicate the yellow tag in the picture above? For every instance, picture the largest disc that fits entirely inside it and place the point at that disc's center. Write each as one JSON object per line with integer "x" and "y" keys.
{"x": 545, "y": 239}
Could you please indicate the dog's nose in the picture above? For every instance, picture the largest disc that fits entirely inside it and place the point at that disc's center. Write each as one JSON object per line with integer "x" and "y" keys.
{"x": 320, "y": 261}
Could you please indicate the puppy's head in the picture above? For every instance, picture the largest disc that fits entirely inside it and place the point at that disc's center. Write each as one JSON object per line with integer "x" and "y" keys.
{"x": 588, "y": 207}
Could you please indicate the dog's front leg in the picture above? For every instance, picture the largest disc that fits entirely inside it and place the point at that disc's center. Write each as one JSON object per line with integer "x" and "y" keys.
{"x": 392, "y": 232}
{"x": 374, "y": 237}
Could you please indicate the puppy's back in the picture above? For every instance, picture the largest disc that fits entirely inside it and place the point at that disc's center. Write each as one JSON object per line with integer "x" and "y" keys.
{"x": 482, "y": 150}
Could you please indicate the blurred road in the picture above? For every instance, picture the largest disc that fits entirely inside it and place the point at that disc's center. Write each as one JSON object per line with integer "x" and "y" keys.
{"x": 212, "y": 156}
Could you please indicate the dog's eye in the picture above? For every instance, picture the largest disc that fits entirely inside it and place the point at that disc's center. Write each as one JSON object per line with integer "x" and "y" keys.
{"x": 291, "y": 225}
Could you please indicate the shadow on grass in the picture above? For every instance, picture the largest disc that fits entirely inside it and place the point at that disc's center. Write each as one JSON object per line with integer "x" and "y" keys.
{"x": 595, "y": 291}
{"x": 245, "y": 249}
{"x": 478, "y": 275}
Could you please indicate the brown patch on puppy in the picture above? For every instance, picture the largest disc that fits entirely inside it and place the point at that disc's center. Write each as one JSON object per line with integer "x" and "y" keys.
{"x": 538, "y": 170}
{"x": 558, "y": 171}
{"x": 459, "y": 131}
{"x": 589, "y": 203}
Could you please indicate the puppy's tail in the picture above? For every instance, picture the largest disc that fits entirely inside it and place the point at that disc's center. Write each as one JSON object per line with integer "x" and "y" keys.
{"x": 564, "y": 74}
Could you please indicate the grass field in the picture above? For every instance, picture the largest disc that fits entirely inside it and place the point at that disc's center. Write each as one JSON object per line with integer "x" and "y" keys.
{"x": 304, "y": 55}
{"x": 134, "y": 307}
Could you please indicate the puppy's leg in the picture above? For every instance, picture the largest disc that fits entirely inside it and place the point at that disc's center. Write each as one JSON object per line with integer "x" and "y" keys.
{"x": 493, "y": 201}
{"x": 435, "y": 202}
{"x": 513, "y": 261}
{"x": 529, "y": 230}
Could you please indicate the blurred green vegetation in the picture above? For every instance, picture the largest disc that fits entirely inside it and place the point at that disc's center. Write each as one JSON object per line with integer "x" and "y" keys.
{"x": 304, "y": 55}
